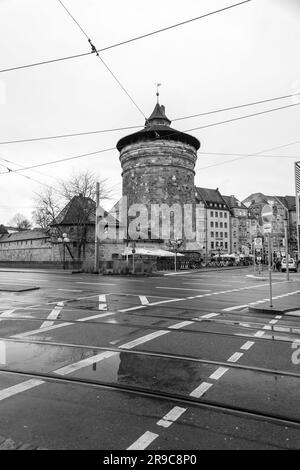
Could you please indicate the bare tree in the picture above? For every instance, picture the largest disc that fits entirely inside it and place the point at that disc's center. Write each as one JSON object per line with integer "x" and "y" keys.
{"x": 84, "y": 184}
{"x": 80, "y": 188}
{"x": 20, "y": 222}
{"x": 47, "y": 207}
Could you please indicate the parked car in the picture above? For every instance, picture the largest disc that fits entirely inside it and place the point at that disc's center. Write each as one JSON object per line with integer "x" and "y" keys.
{"x": 292, "y": 265}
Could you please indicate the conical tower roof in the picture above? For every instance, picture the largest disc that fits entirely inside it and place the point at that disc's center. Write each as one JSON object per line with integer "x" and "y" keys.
{"x": 157, "y": 126}
{"x": 158, "y": 117}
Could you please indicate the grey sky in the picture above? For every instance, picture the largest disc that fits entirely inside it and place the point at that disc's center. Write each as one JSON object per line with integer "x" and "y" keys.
{"x": 241, "y": 55}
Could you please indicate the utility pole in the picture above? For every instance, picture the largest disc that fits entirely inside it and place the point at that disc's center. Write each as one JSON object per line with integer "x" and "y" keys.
{"x": 96, "y": 259}
{"x": 286, "y": 248}
{"x": 270, "y": 267}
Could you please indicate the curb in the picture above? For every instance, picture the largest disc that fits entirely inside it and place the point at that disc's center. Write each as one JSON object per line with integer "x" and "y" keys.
{"x": 14, "y": 289}
{"x": 205, "y": 270}
{"x": 273, "y": 310}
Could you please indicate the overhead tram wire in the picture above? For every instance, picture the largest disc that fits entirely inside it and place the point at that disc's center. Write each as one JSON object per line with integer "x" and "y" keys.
{"x": 258, "y": 113}
{"x": 94, "y": 50}
{"x": 256, "y": 154}
{"x": 61, "y": 160}
{"x": 233, "y": 154}
{"x": 168, "y": 135}
{"x": 102, "y": 131}
{"x": 127, "y": 41}
{"x": 21, "y": 167}
{"x": 113, "y": 148}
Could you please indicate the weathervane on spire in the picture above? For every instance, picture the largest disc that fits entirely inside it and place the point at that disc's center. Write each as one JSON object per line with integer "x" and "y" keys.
{"x": 157, "y": 92}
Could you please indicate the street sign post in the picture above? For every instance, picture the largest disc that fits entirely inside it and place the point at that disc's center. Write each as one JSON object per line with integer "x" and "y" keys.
{"x": 267, "y": 217}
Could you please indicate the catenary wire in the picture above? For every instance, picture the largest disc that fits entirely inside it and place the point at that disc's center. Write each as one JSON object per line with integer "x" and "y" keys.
{"x": 102, "y": 131}
{"x": 121, "y": 43}
{"x": 171, "y": 133}
{"x": 94, "y": 50}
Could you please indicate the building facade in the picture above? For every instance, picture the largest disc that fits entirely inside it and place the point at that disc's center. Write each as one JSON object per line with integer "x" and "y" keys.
{"x": 284, "y": 208}
{"x": 158, "y": 168}
{"x": 217, "y": 222}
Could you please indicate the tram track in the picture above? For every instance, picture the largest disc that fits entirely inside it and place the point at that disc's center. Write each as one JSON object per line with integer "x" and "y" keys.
{"x": 244, "y": 412}
{"x": 272, "y": 330}
{"x": 145, "y": 353}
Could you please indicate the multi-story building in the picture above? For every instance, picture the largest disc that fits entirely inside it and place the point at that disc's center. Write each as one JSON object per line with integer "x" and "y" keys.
{"x": 284, "y": 208}
{"x": 217, "y": 221}
{"x": 244, "y": 227}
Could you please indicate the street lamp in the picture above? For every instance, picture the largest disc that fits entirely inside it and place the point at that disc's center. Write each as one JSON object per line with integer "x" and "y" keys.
{"x": 64, "y": 239}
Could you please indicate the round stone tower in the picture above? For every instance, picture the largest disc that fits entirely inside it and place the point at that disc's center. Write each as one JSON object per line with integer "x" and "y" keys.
{"x": 158, "y": 163}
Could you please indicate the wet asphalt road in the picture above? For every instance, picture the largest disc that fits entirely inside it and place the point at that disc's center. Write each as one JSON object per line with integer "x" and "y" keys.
{"x": 173, "y": 362}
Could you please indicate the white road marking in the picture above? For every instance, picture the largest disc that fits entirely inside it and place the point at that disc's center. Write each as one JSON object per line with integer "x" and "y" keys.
{"x": 144, "y": 339}
{"x": 209, "y": 315}
{"x": 143, "y": 299}
{"x": 200, "y": 390}
{"x": 150, "y": 304}
{"x": 247, "y": 345}
{"x": 183, "y": 288}
{"x": 54, "y": 327}
{"x": 171, "y": 417}
{"x": 7, "y": 313}
{"x": 53, "y": 315}
{"x": 99, "y": 315}
{"x": 181, "y": 325}
{"x": 85, "y": 362}
{"x": 131, "y": 308}
{"x": 41, "y": 330}
{"x": 236, "y": 307}
{"x": 278, "y": 316}
{"x": 102, "y": 302}
{"x": 176, "y": 274}
{"x": 144, "y": 441}
{"x": 218, "y": 373}
{"x": 235, "y": 357}
{"x": 95, "y": 283}
{"x": 21, "y": 387}
{"x": 3, "y": 352}
{"x": 70, "y": 290}
{"x": 259, "y": 333}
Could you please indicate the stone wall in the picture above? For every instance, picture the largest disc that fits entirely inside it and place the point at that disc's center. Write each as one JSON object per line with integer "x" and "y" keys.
{"x": 158, "y": 171}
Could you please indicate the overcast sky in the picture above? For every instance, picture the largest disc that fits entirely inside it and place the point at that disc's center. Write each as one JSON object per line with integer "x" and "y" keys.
{"x": 244, "y": 54}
